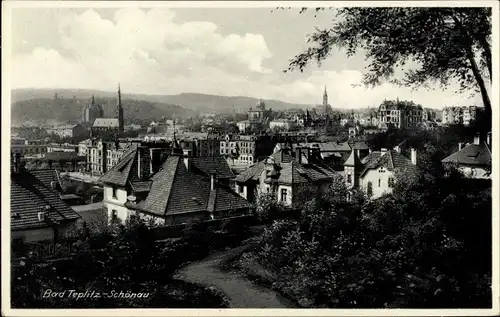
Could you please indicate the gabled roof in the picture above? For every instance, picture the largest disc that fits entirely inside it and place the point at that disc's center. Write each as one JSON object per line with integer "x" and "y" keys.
{"x": 391, "y": 160}
{"x": 334, "y": 147}
{"x": 120, "y": 173}
{"x": 212, "y": 164}
{"x": 353, "y": 159}
{"x": 29, "y": 196}
{"x": 46, "y": 176}
{"x": 176, "y": 190}
{"x": 106, "y": 123}
{"x": 289, "y": 171}
{"x": 472, "y": 154}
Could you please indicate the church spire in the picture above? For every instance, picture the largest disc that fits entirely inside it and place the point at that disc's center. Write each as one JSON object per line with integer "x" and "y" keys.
{"x": 325, "y": 98}
{"x": 119, "y": 110}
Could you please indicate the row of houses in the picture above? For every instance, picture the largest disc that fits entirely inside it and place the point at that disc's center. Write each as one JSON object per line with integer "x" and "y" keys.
{"x": 169, "y": 186}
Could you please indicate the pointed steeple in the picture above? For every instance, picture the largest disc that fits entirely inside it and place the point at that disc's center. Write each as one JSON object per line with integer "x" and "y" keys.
{"x": 325, "y": 98}
{"x": 119, "y": 110}
{"x": 93, "y": 100}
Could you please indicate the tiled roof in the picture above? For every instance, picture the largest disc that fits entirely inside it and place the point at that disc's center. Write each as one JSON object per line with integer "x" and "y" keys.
{"x": 29, "y": 196}
{"x": 106, "y": 123}
{"x": 47, "y": 176}
{"x": 159, "y": 194}
{"x": 141, "y": 186}
{"x": 288, "y": 170}
{"x": 391, "y": 160}
{"x": 212, "y": 164}
{"x": 334, "y": 147}
{"x": 176, "y": 189}
{"x": 472, "y": 154}
{"x": 119, "y": 174}
{"x": 359, "y": 145}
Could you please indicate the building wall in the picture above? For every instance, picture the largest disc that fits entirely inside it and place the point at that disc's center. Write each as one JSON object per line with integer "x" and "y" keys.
{"x": 377, "y": 176}
{"x": 116, "y": 204}
{"x": 34, "y": 235}
{"x": 28, "y": 150}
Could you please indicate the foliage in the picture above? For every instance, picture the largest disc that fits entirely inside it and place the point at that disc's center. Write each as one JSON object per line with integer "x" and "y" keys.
{"x": 126, "y": 258}
{"x": 427, "y": 245}
{"x": 443, "y": 44}
{"x": 269, "y": 209}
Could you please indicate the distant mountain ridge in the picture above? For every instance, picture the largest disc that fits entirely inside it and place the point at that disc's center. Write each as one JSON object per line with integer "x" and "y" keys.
{"x": 40, "y": 104}
{"x": 191, "y": 101}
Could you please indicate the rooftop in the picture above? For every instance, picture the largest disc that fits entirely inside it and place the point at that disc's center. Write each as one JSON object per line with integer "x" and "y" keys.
{"x": 472, "y": 154}
{"x": 29, "y": 196}
{"x": 177, "y": 190}
{"x": 106, "y": 123}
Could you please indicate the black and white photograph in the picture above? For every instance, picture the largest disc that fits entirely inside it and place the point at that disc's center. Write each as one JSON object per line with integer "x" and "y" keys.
{"x": 250, "y": 155}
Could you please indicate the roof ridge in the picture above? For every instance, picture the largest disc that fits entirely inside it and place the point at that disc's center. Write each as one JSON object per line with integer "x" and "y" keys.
{"x": 390, "y": 160}
{"x": 173, "y": 181}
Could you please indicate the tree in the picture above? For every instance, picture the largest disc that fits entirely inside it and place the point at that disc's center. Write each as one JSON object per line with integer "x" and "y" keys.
{"x": 447, "y": 44}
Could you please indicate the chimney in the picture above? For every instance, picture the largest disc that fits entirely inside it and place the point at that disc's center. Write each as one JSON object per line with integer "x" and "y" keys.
{"x": 488, "y": 138}
{"x": 383, "y": 151}
{"x": 460, "y": 145}
{"x": 187, "y": 159}
{"x": 213, "y": 181}
{"x": 413, "y": 156}
{"x": 17, "y": 162}
{"x": 298, "y": 154}
{"x": 477, "y": 139}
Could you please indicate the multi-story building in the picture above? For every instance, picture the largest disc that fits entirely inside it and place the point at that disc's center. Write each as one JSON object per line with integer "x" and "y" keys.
{"x": 102, "y": 155}
{"x": 282, "y": 124}
{"x": 170, "y": 191}
{"x": 246, "y": 149}
{"x": 399, "y": 114}
{"x": 459, "y": 115}
{"x": 428, "y": 114}
{"x": 17, "y": 140}
{"x": 65, "y": 147}
{"x": 200, "y": 143}
{"x": 33, "y": 150}
{"x": 68, "y": 131}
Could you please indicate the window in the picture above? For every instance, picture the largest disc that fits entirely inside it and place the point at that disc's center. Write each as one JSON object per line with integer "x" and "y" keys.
{"x": 369, "y": 189}
{"x": 391, "y": 182}
{"x": 283, "y": 194}
{"x": 379, "y": 182}
{"x": 115, "y": 191}
{"x": 114, "y": 215}
{"x": 240, "y": 189}
{"x": 349, "y": 178}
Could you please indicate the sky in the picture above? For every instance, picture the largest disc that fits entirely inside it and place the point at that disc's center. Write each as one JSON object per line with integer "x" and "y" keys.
{"x": 222, "y": 51}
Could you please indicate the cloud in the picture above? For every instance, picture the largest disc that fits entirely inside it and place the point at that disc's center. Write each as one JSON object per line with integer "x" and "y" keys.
{"x": 151, "y": 52}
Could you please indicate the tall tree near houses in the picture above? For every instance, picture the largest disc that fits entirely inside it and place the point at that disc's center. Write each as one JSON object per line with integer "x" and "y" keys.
{"x": 447, "y": 44}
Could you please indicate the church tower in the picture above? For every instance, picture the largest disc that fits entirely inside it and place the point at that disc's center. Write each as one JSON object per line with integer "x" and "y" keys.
{"x": 119, "y": 110}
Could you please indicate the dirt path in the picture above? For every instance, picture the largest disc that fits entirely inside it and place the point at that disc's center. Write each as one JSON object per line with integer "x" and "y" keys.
{"x": 240, "y": 292}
